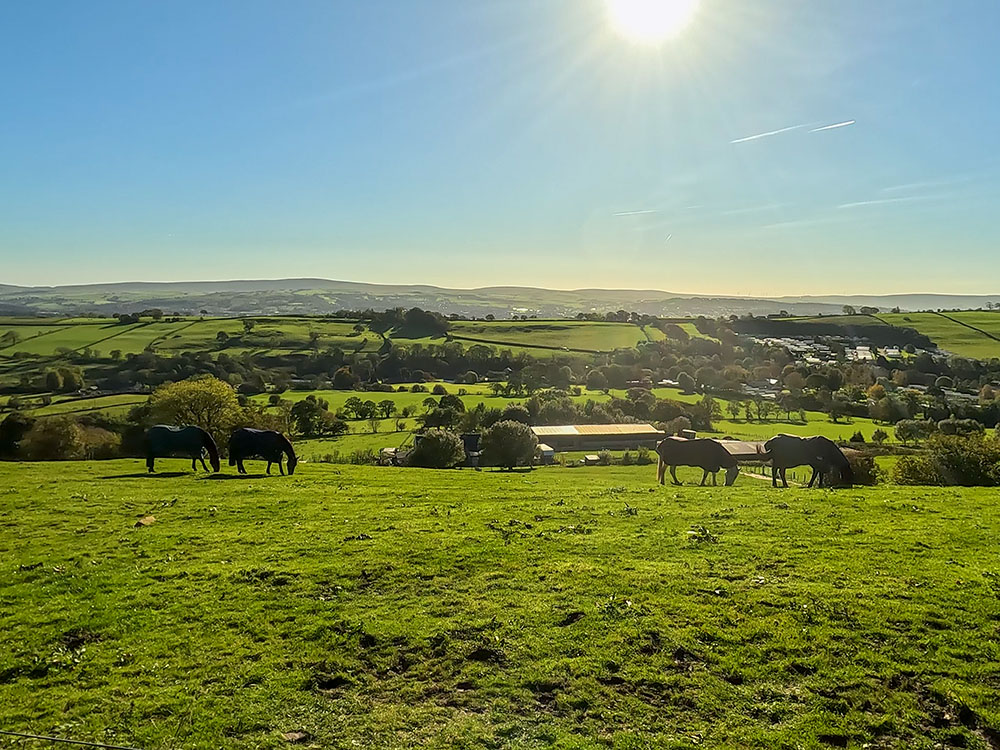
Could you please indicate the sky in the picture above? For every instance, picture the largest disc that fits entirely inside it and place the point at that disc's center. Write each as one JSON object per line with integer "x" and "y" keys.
{"x": 502, "y": 142}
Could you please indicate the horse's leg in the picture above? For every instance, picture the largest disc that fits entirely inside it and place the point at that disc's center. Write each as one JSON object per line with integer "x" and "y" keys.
{"x": 194, "y": 465}
{"x": 203, "y": 464}
{"x": 704, "y": 476}
{"x": 281, "y": 467}
{"x": 813, "y": 478}
{"x": 239, "y": 466}
{"x": 661, "y": 469}
{"x": 150, "y": 460}
{"x": 269, "y": 468}
{"x": 775, "y": 471}
{"x": 673, "y": 475}
{"x": 715, "y": 482}
{"x": 784, "y": 478}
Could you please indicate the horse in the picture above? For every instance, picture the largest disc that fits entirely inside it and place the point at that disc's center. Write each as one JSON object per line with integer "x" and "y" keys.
{"x": 167, "y": 440}
{"x": 818, "y": 452}
{"x": 709, "y": 455}
{"x": 268, "y": 444}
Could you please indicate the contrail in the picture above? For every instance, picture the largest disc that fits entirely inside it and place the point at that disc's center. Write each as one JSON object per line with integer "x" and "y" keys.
{"x": 843, "y": 124}
{"x": 636, "y": 213}
{"x": 767, "y": 134}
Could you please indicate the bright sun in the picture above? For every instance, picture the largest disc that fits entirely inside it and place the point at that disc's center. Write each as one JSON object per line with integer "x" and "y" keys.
{"x": 651, "y": 21}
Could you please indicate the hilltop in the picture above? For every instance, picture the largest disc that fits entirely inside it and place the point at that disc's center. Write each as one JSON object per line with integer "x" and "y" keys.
{"x": 307, "y": 296}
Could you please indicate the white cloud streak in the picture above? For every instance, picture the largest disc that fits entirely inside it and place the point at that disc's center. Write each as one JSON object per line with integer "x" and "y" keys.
{"x": 768, "y": 134}
{"x": 637, "y": 213}
{"x": 883, "y": 201}
{"x": 835, "y": 125}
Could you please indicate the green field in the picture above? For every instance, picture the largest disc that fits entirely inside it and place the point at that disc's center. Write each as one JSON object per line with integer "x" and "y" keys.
{"x": 952, "y": 336}
{"x": 569, "y": 334}
{"x": 574, "y": 608}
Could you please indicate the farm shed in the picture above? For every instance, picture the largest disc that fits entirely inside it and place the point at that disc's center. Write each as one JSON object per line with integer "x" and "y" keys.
{"x": 597, "y": 436}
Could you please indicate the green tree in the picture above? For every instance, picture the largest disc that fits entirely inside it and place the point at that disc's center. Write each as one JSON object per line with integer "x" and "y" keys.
{"x": 438, "y": 449}
{"x": 345, "y": 380}
{"x": 53, "y": 439}
{"x": 685, "y": 382}
{"x": 508, "y": 444}
{"x": 733, "y": 409}
{"x": 353, "y": 407}
{"x": 879, "y": 436}
{"x": 386, "y": 408}
{"x": 516, "y": 413}
{"x": 53, "y": 381}
{"x": 205, "y": 402}
{"x": 596, "y": 381}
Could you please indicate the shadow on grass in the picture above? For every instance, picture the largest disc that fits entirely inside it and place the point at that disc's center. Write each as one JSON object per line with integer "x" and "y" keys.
{"x": 144, "y": 475}
{"x": 237, "y": 476}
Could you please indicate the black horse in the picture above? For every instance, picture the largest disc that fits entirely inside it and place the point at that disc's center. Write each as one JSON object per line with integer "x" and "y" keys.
{"x": 708, "y": 455}
{"x": 270, "y": 445}
{"x": 818, "y": 452}
{"x": 168, "y": 440}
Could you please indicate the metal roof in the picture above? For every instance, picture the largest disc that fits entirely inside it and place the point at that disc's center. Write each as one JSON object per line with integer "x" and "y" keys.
{"x": 574, "y": 430}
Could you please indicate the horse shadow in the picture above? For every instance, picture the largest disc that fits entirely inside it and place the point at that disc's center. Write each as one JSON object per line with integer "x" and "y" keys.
{"x": 147, "y": 475}
{"x": 215, "y": 477}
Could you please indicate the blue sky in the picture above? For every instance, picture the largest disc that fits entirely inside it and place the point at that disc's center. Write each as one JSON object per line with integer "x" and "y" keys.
{"x": 502, "y": 142}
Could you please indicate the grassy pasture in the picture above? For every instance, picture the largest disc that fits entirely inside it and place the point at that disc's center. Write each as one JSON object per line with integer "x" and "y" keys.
{"x": 948, "y": 334}
{"x": 574, "y": 608}
{"x": 572, "y": 334}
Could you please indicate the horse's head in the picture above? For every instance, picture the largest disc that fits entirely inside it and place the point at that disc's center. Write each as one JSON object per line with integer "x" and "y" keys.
{"x": 731, "y": 473}
{"x": 292, "y": 463}
{"x": 216, "y": 464}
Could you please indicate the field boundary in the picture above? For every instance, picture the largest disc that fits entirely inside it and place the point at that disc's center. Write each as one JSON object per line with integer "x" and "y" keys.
{"x": 546, "y": 347}
{"x": 987, "y": 334}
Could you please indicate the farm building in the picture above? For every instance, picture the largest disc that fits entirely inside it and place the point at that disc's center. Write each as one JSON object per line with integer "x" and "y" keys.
{"x": 597, "y": 436}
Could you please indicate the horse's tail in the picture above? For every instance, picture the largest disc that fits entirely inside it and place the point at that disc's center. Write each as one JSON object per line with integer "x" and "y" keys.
{"x": 661, "y": 467}
{"x": 763, "y": 455}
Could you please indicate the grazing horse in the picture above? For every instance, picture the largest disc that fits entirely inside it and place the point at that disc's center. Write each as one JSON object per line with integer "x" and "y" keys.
{"x": 818, "y": 452}
{"x": 270, "y": 445}
{"x": 168, "y": 440}
{"x": 709, "y": 455}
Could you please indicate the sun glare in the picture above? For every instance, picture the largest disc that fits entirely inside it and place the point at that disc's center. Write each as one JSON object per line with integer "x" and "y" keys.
{"x": 651, "y": 21}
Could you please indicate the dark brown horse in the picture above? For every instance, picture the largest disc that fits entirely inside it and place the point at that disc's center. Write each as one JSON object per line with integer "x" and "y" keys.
{"x": 270, "y": 445}
{"x": 818, "y": 452}
{"x": 192, "y": 442}
{"x": 708, "y": 455}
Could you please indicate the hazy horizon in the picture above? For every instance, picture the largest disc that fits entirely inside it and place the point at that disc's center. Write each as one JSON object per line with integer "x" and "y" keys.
{"x": 784, "y": 150}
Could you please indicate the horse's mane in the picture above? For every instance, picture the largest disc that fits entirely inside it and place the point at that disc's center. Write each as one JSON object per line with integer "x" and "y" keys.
{"x": 209, "y": 442}
{"x": 286, "y": 445}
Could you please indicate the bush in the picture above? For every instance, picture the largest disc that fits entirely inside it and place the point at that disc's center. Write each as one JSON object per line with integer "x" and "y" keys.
{"x": 53, "y": 439}
{"x": 417, "y": 388}
{"x": 866, "y": 471}
{"x": 857, "y": 437}
{"x": 627, "y": 459}
{"x": 596, "y": 381}
{"x": 508, "y": 444}
{"x": 439, "y": 390}
{"x": 879, "y": 436}
{"x": 953, "y": 460}
{"x": 604, "y": 458}
{"x": 99, "y": 443}
{"x": 959, "y": 427}
{"x": 438, "y": 449}
{"x": 917, "y": 470}
{"x": 642, "y": 457}
{"x": 470, "y": 378}
{"x": 914, "y": 430}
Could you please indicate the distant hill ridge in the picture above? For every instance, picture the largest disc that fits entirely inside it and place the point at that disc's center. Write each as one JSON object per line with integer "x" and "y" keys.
{"x": 321, "y": 296}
